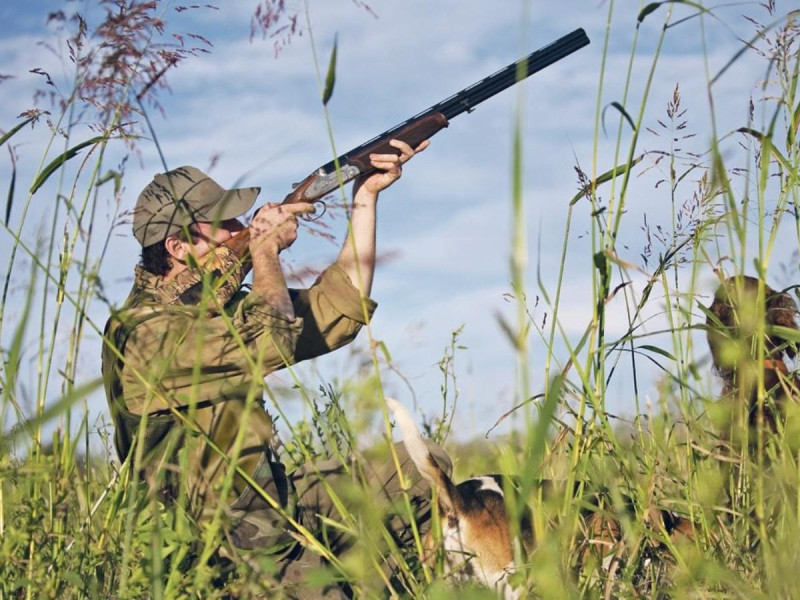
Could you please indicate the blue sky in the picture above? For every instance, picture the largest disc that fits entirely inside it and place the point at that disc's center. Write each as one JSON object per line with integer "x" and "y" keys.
{"x": 447, "y": 223}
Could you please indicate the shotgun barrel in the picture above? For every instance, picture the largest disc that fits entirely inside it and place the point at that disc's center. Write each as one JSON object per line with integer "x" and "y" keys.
{"x": 418, "y": 128}
{"x": 423, "y": 125}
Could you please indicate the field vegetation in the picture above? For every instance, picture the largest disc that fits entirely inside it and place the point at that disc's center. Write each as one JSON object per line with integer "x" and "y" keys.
{"x": 75, "y": 523}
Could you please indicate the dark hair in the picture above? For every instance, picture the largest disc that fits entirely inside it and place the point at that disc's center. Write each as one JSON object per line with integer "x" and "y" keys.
{"x": 156, "y": 259}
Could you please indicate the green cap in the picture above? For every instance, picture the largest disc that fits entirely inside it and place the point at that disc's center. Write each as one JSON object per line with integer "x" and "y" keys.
{"x": 183, "y": 196}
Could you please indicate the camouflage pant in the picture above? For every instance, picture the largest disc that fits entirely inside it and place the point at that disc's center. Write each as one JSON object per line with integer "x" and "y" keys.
{"x": 373, "y": 497}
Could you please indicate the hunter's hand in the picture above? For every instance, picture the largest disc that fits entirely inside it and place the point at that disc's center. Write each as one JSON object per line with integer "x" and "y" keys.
{"x": 274, "y": 226}
{"x": 389, "y": 167}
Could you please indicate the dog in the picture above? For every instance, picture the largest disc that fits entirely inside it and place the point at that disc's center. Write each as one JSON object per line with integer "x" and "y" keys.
{"x": 734, "y": 321}
{"x": 477, "y": 542}
{"x": 476, "y": 536}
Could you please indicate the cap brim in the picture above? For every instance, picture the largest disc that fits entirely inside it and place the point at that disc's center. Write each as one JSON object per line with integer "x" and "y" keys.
{"x": 232, "y": 204}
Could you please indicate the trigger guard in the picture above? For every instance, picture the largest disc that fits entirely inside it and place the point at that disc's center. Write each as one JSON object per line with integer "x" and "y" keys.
{"x": 317, "y": 215}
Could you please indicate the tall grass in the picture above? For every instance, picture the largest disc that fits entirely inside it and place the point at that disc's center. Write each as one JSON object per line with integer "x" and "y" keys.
{"x": 74, "y": 523}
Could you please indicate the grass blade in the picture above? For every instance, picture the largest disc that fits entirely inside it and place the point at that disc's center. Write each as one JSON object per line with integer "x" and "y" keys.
{"x": 774, "y": 151}
{"x": 605, "y": 177}
{"x": 61, "y": 159}
{"x": 654, "y": 6}
{"x": 55, "y": 409}
{"x": 624, "y": 113}
{"x": 330, "y": 78}
{"x": 10, "y": 198}
{"x": 11, "y": 133}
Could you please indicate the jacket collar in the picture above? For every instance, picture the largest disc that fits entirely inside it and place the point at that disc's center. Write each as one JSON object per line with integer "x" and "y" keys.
{"x": 222, "y": 269}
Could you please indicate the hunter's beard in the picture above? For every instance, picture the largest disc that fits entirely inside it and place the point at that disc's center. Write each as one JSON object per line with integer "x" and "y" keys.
{"x": 212, "y": 280}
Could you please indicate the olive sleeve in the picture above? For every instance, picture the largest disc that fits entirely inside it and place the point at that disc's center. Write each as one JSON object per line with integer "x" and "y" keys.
{"x": 333, "y": 311}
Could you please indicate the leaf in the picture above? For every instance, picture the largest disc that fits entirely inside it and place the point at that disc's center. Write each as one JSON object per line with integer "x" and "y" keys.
{"x": 657, "y": 350}
{"x": 785, "y": 333}
{"x": 517, "y": 339}
{"x": 61, "y": 159}
{"x": 14, "y": 356}
{"x": 55, "y": 409}
{"x": 537, "y": 440}
{"x": 624, "y": 113}
{"x": 8, "y": 135}
{"x": 796, "y": 120}
{"x": 607, "y": 176}
{"x": 384, "y": 350}
{"x": 765, "y": 139}
{"x": 612, "y": 256}
{"x": 73, "y": 578}
{"x": 116, "y": 176}
{"x": 10, "y": 198}
{"x": 546, "y": 415}
{"x": 600, "y": 261}
{"x": 654, "y": 6}
{"x": 330, "y": 78}
{"x": 715, "y": 322}
{"x": 650, "y": 8}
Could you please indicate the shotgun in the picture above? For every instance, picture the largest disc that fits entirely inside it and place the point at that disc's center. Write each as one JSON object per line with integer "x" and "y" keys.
{"x": 420, "y": 127}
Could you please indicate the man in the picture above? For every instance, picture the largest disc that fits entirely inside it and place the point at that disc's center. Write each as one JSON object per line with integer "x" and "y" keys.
{"x": 186, "y": 356}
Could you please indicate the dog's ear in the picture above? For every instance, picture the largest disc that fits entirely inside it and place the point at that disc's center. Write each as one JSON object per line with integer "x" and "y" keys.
{"x": 449, "y": 497}
{"x": 781, "y": 311}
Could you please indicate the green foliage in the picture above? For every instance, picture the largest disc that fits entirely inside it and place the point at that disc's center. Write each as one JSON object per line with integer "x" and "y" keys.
{"x": 330, "y": 78}
{"x": 73, "y": 524}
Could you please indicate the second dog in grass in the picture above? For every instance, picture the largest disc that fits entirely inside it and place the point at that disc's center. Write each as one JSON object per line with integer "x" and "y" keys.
{"x": 735, "y": 321}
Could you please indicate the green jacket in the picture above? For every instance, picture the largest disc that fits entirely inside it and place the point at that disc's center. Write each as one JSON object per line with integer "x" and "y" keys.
{"x": 178, "y": 376}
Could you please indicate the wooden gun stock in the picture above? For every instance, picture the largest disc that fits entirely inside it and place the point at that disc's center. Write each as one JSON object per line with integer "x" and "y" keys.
{"x": 240, "y": 246}
{"x": 413, "y": 133}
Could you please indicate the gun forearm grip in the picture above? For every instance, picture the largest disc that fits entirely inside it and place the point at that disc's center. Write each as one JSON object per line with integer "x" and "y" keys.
{"x": 413, "y": 133}
{"x": 357, "y": 162}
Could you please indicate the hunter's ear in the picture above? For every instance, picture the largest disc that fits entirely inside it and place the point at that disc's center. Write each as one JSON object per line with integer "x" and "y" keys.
{"x": 176, "y": 248}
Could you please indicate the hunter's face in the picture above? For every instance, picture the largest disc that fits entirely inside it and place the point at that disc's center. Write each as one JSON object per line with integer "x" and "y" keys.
{"x": 207, "y": 236}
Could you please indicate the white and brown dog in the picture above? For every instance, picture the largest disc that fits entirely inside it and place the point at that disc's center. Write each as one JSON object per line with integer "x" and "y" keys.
{"x": 476, "y": 531}
{"x": 476, "y": 537}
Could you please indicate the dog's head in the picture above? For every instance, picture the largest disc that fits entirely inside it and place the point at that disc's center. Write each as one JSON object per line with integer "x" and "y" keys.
{"x": 734, "y": 326}
{"x": 737, "y": 319}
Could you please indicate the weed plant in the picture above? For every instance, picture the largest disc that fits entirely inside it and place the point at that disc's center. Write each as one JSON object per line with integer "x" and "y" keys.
{"x": 74, "y": 523}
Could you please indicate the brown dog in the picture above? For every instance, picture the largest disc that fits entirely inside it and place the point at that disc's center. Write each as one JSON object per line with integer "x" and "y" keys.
{"x": 738, "y": 323}
{"x": 476, "y": 532}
